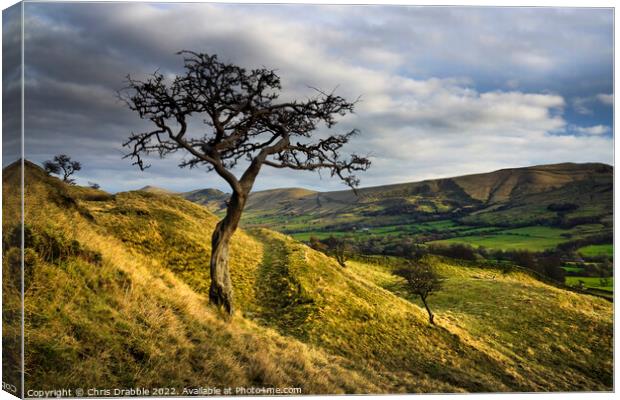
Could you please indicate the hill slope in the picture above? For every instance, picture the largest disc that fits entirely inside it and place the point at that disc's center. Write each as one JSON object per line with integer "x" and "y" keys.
{"x": 213, "y": 199}
{"x": 508, "y": 197}
{"x": 137, "y": 263}
{"x": 155, "y": 189}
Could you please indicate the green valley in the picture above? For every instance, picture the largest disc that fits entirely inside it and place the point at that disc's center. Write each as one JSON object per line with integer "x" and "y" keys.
{"x": 562, "y": 208}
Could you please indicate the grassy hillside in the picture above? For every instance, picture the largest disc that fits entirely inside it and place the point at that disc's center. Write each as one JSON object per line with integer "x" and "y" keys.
{"x": 529, "y": 189}
{"x": 528, "y": 327}
{"x": 155, "y": 189}
{"x": 101, "y": 309}
{"x": 137, "y": 262}
{"x": 507, "y": 184}
{"x": 213, "y": 199}
{"x": 11, "y": 281}
{"x": 563, "y": 196}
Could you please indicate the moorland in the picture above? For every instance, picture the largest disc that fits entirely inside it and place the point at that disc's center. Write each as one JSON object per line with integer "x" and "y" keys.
{"x": 116, "y": 286}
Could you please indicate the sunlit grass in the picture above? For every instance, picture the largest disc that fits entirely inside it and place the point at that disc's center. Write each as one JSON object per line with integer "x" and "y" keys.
{"x": 594, "y": 250}
{"x": 138, "y": 315}
{"x": 606, "y": 284}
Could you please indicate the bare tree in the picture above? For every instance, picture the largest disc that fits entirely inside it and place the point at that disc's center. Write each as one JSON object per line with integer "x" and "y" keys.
{"x": 235, "y": 116}
{"x": 62, "y": 165}
{"x": 423, "y": 281}
{"x": 340, "y": 248}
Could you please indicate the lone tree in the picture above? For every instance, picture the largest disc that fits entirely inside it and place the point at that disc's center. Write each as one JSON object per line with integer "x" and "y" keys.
{"x": 340, "y": 248}
{"x": 235, "y": 116}
{"x": 62, "y": 165}
{"x": 423, "y": 281}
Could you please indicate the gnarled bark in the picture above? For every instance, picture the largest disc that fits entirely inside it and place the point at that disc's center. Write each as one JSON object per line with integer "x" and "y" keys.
{"x": 220, "y": 292}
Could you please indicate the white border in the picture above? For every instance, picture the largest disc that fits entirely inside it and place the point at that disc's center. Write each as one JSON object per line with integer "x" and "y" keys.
{"x": 487, "y": 3}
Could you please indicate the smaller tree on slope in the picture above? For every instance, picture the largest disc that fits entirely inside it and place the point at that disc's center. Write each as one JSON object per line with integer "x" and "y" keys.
{"x": 422, "y": 280}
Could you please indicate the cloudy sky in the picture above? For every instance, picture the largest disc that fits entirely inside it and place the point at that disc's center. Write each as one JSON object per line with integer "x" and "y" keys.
{"x": 445, "y": 91}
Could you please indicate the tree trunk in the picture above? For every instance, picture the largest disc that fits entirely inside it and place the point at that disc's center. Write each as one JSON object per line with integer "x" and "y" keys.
{"x": 431, "y": 316}
{"x": 220, "y": 292}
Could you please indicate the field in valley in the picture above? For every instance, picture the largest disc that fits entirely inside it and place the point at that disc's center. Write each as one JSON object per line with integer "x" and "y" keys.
{"x": 563, "y": 209}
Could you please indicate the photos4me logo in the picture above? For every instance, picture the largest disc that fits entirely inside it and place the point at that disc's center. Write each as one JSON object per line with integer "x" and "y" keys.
{"x": 9, "y": 388}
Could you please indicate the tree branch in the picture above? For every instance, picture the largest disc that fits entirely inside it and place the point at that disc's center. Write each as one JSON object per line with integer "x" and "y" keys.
{"x": 243, "y": 121}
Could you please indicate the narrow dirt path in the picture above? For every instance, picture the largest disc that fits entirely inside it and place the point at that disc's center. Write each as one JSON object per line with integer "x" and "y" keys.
{"x": 281, "y": 302}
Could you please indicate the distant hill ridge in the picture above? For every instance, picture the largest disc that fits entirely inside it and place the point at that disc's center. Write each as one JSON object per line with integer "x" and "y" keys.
{"x": 495, "y": 187}
{"x": 155, "y": 189}
{"x": 503, "y": 184}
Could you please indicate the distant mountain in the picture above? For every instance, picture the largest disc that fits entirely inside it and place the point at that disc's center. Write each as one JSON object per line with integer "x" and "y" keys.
{"x": 508, "y": 184}
{"x": 507, "y": 197}
{"x": 155, "y": 189}
{"x": 213, "y": 199}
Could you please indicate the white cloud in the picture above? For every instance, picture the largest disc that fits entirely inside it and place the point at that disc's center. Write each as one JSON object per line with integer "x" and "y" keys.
{"x": 535, "y": 61}
{"x": 592, "y": 130}
{"x": 607, "y": 99}
{"x": 381, "y": 57}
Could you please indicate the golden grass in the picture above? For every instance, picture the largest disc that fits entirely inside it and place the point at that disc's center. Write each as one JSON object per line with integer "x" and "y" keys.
{"x": 137, "y": 314}
{"x": 547, "y": 338}
{"x": 132, "y": 322}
